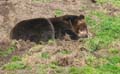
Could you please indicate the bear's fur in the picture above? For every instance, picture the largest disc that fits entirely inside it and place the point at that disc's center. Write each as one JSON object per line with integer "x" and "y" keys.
{"x": 39, "y": 29}
{"x": 94, "y": 1}
{"x": 77, "y": 24}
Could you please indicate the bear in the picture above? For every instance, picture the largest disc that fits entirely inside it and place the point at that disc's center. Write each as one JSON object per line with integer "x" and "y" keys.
{"x": 43, "y": 29}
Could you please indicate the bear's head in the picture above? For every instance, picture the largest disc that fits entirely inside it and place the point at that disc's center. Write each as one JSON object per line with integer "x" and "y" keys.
{"x": 78, "y": 24}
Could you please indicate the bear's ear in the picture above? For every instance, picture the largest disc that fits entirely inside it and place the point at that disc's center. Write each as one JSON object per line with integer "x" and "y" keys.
{"x": 81, "y": 17}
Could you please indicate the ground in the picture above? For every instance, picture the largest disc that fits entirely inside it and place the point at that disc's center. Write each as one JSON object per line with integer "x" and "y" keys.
{"x": 98, "y": 54}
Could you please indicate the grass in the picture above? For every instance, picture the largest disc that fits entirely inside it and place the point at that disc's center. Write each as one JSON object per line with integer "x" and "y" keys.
{"x": 104, "y": 69}
{"x": 65, "y": 51}
{"x": 43, "y": 69}
{"x": 45, "y": 55}
{"x": 16, "y": 63}
{"x": 113, "y": 51}
{"x": 113, "y": 2}
{"x": 58, "y": 12}
{"x": 14, "y": 66}
{"x": 106, "y": 30}
{"x": 51, "y": 42}
{"x": 109, "y": 69}
{"x": 103, "y": 66}
{"x": 16, "y": 58}
{"x": 57, "y": 69}
{"x": 7, "y": 52}
{"x": 83, "y": 70}
{"x": 114, "y": 59}
{"x": 90, "y": 60}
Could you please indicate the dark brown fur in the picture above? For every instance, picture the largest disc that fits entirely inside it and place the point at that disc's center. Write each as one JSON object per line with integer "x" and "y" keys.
{"x": 78, "y": 23}
{"x": 94, "y": 1}
{"x": 39, "y": 28}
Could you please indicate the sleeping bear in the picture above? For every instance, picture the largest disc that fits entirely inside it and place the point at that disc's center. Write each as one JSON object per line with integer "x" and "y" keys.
{"x": 43, "y": 29}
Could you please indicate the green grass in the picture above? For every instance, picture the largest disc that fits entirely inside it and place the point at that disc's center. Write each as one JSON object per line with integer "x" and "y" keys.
{"x": 105, "y": 69}
{"x": 114, "y": 59}
{"x": 114, "y": 2}
{"x": 58, "y": 12}
{"x": 57, "y": 69}
{"x": 90, "y": 59}
{"x": 43, "y": 69}
{"x": 51, "y": 42}
{"x": 103, "y": 66}
{"x": 16, "y": 58}
{"x": 14, "y": 66}
{"x": 106, "y": 30}
{"x": 113, "y": 51}
{"x": 83, "y": 70}
{"x": 7, "y": 52}
{"x": 45, "y": 55}
{"x": 65, "y": 51}
{"x": 110, "y": 69}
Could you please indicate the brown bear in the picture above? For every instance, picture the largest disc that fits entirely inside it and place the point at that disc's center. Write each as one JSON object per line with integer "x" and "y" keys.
{"x": 77, "y": 23}
{"x": 39, "y": 29}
